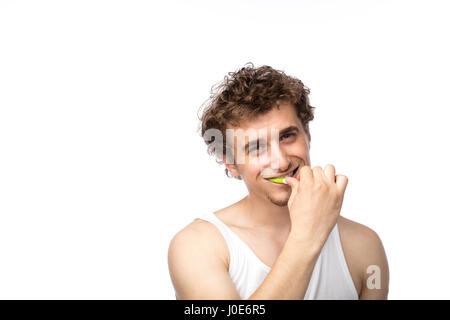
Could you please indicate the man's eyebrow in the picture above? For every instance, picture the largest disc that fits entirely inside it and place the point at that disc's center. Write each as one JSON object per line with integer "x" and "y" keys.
{"x": 281, "y": 132}
{"x": 289, "y": 129}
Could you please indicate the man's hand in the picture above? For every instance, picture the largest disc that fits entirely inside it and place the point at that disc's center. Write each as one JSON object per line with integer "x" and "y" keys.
{"x": 315, "y": 203}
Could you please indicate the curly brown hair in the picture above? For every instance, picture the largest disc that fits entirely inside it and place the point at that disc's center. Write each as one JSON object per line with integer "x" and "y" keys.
{"x": 249, "y": 92}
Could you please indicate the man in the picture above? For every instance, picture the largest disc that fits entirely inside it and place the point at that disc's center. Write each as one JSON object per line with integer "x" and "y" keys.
{"x": 283, "y": 240}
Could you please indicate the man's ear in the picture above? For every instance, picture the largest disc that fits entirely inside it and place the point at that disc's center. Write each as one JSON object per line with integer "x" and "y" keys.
{"x": 231, "y": 168}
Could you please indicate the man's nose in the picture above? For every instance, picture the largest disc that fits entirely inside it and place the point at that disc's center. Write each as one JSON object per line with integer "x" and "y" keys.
{"x": 279, "y": 160}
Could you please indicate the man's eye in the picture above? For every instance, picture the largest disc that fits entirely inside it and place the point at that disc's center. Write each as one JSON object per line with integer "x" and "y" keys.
{"x": 287, "y": 135}
{"x": 257, "y": 147}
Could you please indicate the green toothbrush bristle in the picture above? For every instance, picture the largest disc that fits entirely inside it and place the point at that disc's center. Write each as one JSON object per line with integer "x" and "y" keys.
{"x": 278, "y": 180}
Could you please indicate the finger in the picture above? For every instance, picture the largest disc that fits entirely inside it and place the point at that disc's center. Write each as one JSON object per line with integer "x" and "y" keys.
{"x": 318, "y": 173}
{"x": 341, "y": 182}
{"x": 330, "y": 172}
{"x": 305, "y": 174}
{"x": 292, "y": 182}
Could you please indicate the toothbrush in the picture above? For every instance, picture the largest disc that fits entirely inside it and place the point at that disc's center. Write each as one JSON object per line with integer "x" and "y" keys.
{"x": 278, "y": 180}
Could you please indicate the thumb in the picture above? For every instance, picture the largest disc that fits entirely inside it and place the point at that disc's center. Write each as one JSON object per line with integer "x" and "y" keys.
{"x": 341, "y": 182}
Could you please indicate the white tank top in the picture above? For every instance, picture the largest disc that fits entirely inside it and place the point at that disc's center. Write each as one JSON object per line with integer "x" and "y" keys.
{"x": 330, "y": 279}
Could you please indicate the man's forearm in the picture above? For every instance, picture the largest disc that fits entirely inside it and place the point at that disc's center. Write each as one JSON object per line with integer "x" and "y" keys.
{"x": 291, "y": 273}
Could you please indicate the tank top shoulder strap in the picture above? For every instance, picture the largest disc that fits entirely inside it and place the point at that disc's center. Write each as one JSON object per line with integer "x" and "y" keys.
{"x": 211, "y": 217}
{"x": 240, "y": 252}
{"x": 228, "y": 235}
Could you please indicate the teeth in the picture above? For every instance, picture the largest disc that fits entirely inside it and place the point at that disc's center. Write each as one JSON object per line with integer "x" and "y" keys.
{"x": 290, "y": 174}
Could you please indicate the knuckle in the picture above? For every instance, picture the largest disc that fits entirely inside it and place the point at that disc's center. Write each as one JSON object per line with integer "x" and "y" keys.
{"x": 305, "y": 168}
{"x": 320, "y": 185}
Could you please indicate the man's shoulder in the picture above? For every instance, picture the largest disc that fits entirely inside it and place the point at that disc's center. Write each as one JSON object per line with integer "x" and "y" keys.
{"x": 196, "y": 232}
{"x": 199, "y": 237}
{"x": 357, "y": 234}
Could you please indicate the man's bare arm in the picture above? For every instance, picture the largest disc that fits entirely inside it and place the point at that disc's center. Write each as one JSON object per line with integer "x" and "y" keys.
{"x": 375, "y": 267}
{"x": 197, "y": 268}
{"x": 291, "y": 273}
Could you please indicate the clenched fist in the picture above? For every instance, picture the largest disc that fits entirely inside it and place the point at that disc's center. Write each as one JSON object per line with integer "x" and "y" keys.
{"x": 315, "y": 203}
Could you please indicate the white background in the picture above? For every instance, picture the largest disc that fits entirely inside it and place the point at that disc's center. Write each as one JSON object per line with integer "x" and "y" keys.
{"x": 101, "y": 163}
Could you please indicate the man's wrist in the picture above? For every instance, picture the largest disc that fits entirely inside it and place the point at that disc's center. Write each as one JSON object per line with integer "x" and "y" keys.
{"x": 308, "y": 246}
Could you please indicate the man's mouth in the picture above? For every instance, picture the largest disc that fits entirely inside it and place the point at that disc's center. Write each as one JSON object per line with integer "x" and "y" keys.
{"x": 280, "y": 177}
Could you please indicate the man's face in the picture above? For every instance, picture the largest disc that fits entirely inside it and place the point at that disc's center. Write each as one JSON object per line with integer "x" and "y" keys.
{"x": 282, "y": 148}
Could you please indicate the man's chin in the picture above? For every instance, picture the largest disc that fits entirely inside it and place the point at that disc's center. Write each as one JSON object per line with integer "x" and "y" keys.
{"x": 278, "y": 202}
